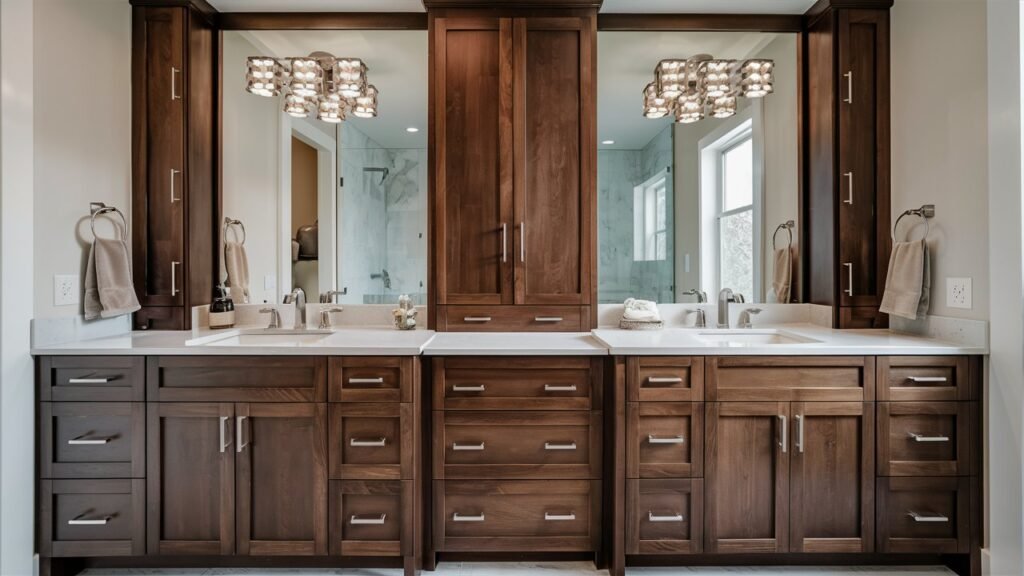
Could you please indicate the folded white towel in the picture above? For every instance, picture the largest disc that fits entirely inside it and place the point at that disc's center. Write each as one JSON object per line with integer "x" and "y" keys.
{"x": 236, "y": 262}
{"x": 109, "y": 291}
{"x": 908, "y": 283}
{"x": 641, "y": 311}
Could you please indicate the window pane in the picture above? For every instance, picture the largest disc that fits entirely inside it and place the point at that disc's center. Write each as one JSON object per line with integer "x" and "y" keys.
{"x": 737, "y": 253}
{"x": 738, "y": 175}
{"x": 659, "y": 216}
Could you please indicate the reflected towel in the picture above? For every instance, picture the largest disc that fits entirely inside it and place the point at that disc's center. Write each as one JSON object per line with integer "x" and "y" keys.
{"x": 782, "y": 276}
{"x": 236, "y": 262}
{"x": 908, "y": 284}
{"x": 641, "y": 311}
{"x": 108, "y": 280}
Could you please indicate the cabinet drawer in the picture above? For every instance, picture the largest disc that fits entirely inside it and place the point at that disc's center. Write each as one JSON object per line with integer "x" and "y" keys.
{"x": 664, "y": 516}
{"x": 924, "y": 378}
{"x": 371, "y": 379}
{"x": 92, "y": 518}
{"x": 371, "y": 441}
{"x": 664, "y": 439}
{"x": 665, "y": 379}
{"x": 371, "y": 518}
{"x": 517, "y": 445}
{"x": 788, "y": 378}
{"x": 494, "y": 516}
{"x": 236, "y": 378}
{"x": 924, "y": 515}
{"x": 924, "y": 438}
{"x": 92, "y": 378}
{"x": 513, "y": 318}
{"x": 92, "y": 439}
{"x": 517, "y": 383}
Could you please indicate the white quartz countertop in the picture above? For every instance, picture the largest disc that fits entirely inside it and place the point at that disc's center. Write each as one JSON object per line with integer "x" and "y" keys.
{"x": 515, "y": 344}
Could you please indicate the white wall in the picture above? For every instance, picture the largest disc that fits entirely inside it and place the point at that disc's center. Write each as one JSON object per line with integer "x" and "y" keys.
{"x": 82, "y": 53}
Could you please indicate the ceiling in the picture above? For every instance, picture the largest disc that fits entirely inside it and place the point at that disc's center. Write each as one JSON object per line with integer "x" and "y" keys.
{"x": 609, "y": 6}
{"x": 397, "y": 63}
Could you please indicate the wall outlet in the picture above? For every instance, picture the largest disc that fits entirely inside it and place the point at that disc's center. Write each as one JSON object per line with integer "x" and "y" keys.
{"x": 958, "y": 293}
{"x": 65, "y": 290}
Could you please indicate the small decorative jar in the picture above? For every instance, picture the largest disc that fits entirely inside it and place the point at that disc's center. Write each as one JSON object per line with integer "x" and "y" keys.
{"x": 404, "y": 316}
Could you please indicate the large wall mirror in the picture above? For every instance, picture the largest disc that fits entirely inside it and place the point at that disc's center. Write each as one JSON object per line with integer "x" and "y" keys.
{"x": 328, "y": 205}
{"x": 689, "y": 203}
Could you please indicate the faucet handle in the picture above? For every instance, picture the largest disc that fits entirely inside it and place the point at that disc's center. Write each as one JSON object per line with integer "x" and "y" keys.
{"x": 701, "y": 321}
{"x": 275, "y": 317}
{"x": 325, "y": 317}
{"x": 744, "y": 321}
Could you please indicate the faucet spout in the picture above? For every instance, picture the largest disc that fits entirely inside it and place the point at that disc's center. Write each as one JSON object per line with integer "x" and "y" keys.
{"x": 725, "y": 297}
{"x": 298, "y": 297}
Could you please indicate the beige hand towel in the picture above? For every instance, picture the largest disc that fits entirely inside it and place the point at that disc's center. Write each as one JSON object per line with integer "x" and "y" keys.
{"x": 908, "y": 284}
{"x": 236, "y": 262}
{"x": 782, "y": 276}
{"x": 108, "y": 280}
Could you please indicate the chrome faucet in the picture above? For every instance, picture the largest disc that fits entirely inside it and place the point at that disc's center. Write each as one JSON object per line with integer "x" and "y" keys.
{"x": 275, "y": 318}
{"x": 298, "y": 297}
{"x": 725, "y": 297}
{"x": 701, "y": 295}
{"x": 325, "y": 317}
{"x": 331, "y": 296}
{"x": 745, "y": 320}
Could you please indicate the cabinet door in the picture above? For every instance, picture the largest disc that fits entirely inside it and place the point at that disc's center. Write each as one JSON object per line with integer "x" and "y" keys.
{"x": 473, "y": 124}
{"x": 159, "y": 155}
{"x": 863, "y": 178}
{"x": 281, "y": 458}
{"x": 832, "y": 477}
{"x": 747, "y": 477}
{"x": 190, "y": 479}
{"x": 554, "y": 160}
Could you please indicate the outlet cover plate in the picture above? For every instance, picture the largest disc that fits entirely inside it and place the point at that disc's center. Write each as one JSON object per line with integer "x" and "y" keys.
{"x": 65, "y": 290}
{"x": 958, "y": 293}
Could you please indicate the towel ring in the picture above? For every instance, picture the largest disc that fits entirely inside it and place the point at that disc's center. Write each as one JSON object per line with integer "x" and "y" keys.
{"x": 788, "y": 226}
{"x": 925, "y": 212}
{"x": 228, "y": 223}
{"x": 99, "y": 209}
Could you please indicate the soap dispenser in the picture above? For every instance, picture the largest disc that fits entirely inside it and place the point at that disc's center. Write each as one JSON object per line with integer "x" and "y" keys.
{"x": 222, "y": 309}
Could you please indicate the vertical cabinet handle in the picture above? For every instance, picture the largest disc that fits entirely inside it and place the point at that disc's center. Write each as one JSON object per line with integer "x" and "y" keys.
{"x": 849, "y": 278}
{"x": 242, "y": 443}
{"x": 799, "y": 433}
{"x": 785, "y": 433}
{"x": 224, "y": 442}
{"x": 522, "y": 242}
{"x": 849, "y": 188}
{"x": 849, "y": 87}
{"x": 174, "y": 179}
{"x": 174, "y": 83}
{"x": 174, "y": 278}
{"x": 504, "y": 242}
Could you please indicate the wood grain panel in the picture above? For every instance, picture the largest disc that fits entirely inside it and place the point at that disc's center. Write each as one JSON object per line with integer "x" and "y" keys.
{"x": 780, "y": 378}
{"x": 924, "y": 438}
{"x": 942, "y": 508}
{"x": 92, "y": 440}
{"x": 355, "y": 505}
{"x": 651, "y": 430}
{"x": 513, "y": 318}
{"x": 665, "y": 516}
{"x": 118, "y": 504}
{"x": 92, "y": 378}
{"x": 517, "y": 383}
{"x": 354, "y": 379}
{"x": 924, "y": 378}
{"x": 665, "y": 379}
{"x": 237, "y": 378}
{"x": 355, "y": 431}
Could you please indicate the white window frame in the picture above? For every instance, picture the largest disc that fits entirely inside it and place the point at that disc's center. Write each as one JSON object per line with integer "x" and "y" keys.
{"x": 645, "y": 225}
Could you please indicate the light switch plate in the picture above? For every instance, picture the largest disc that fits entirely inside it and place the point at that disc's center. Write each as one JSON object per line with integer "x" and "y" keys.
{"x": 958, "y": 293}
{"x": 65, "y": 289}
{"x": 270, "y": 283}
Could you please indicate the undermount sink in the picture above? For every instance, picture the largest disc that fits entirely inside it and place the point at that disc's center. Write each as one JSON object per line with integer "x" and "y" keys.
{"x": 266, "y": 338}
{"x": 753, "y": 338}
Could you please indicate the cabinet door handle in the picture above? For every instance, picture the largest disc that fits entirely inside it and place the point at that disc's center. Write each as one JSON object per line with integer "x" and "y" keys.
{"x": 652, "y": 517}
{"x": 849, "y": 87}
{"x": 174, "y": 83}
{"x": 922, "y": 438}
{"x": 555, "y": 388}
{"x": 239, "y": 425}
{"x": 555, "y": 446}
{"x": 475, "y": 388}
{"x": 849, "y": 278}
{"x": 664, "y": 380}
{"x": 83, "y": 441}
{"x": 81, "y": 520}
{"x": 368, "y": 443}
{"x": 504, "y": 242}
{"x": 849, "y": 188}
{"x": 926, "y": 379}
{"x": 356, "y": 520}
{"x": 551, "y": 319}
{"x": 174, "y": 180}
{"x": 652, "y": 439}
{"x": 799, "y": 433}
{"x": 785, "y": 433}
{"x": 522, "y": 242}
{"x": 88, "y": 380}
{"x": 366, "y": 380}
{"x": 456, "y": 517}
{"x": 477, "y": 319}
{"x": 927, "y": 517}
{"x": 467, "y": 447}
{"x": 549, "y": 517}
{"x": 174, "y": 278}
{"x": 224, "y": 441}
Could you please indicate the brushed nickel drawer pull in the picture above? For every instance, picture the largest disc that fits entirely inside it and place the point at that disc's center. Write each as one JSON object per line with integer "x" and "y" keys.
{"x": 927, "y": 518}
{"x": 224, "y": 442}
{"x": 356, "y": 520}
{"x": 174, "y": 176}
{"x": 504, "y": 242}
{"x": 926, "y": 379}
{"x": 664, "y": 380}
{"x": 849, "y": 87}
{"x": 456, "y": 517}
{"x": 652, "y": 517}
{"x": 923, "y": 438}
{"x": 239, "y": 422}
{"x": 547, "y": 319}
{"x": 652, "y": 439}
{"x": 174, "y": 83}
{"x": 174, "y": 279}
{"x": 83, "y": 441}
{"x": 559, "y": 517}
{"x": 368, "y": 443}
{"x": 88, "y": 380}
{"x": 785, "y": 433}
{"x": 366, "y": 380}
{"x": 553, "y": 446}
{"x": 467, "y": 447}
{"x": 475, "y": 388}
{"x": 556, "y": 388}
{"x": 799, "y": 433}
{"x": 81, "y": 520}
{"x": 477, "y": 319}
{"x": 849, "y": 278}
{"x": 849, "y": 188}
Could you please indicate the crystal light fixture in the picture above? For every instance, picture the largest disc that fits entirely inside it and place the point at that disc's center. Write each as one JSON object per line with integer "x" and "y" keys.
{"x": 700, "y": 86}
{"x": 319, "y": 84}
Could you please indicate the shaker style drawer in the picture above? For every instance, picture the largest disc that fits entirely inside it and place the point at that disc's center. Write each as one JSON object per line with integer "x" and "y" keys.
{"x": 371, "y": 518}
{"x": 790, "y": 378}
{"x": 924, "y": 378}
{"x": 664, "y": 439}
{"x": 516, "y": 383}
{"x": 494, "y": 516}
{"x": 924, "y": 515}
{"x": 924, "y": 438}
{"x": 664, "y": 516}
{"x": 512, "y": 318}
{"x": 92, "y": 439}
{"x": 556, "y": 445}
{"x": 236, "y": 378}
{"x": 92, "y": 518}
{"x": 671, "y": 379}
{"x": 371, "y": 441}
{"x": 371, "y": 379}
{"x": 92, "y": 378}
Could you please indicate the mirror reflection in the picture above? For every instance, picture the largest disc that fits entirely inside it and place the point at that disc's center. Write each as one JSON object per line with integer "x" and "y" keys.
{"x": 325, "y": 162}
{"x": 698, "y": 165}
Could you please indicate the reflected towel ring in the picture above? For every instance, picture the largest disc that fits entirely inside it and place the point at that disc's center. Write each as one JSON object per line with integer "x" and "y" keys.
{"x": 788, "y": 225}
{"x": 99, "y": 209}
{"x": 925, "y": 212}
{"x": 228, "y": 223}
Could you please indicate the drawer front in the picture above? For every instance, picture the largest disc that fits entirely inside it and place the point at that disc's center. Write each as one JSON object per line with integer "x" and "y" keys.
{"x": 790, "y": 379}
{"x": 92, "y": 518}
{"x": 924, "y": 515}
{"x": 371, "y": 518}
{"x": 664, "y": 439}
{"x": 924, "y": 438}
{"x": 665, "y": 379}
{"x": 92, "y": 378}
{"x": 371, "y": 379}
{"x": 513, "y": 318}
{"x": 494, "y": 516}
{"x": 511, "y": 445}
{"x": 924, "y": 378}
{"x": 92, "y": 440}
{"x": 664, "y": 516}
{"x": 236, "y": 378}
{"x": 516, "y": 383}
{"x": 371, "y": 441}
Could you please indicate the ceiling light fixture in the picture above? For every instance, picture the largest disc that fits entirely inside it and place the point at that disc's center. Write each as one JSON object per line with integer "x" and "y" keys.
{"x": 319, "y": 83}
{"x": 697, "y": 87}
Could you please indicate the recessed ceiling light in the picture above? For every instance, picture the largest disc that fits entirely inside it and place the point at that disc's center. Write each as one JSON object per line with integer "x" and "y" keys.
{"x": 412, "y": 129}
{"x": 607, "y": 142}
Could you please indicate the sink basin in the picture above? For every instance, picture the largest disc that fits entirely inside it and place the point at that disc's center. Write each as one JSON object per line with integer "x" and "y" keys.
{"x": 266, "y": 338}
{"x": 741, "y": 338}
